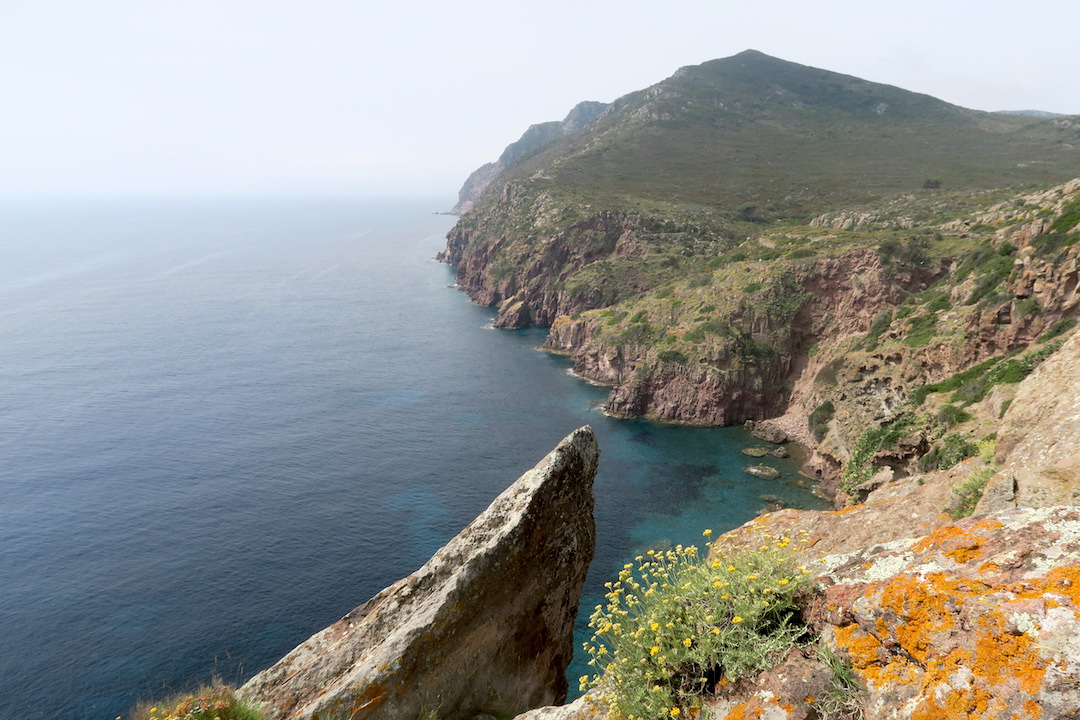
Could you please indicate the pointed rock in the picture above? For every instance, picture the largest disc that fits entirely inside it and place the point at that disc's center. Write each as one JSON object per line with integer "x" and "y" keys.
{"x": 484, "y": 627}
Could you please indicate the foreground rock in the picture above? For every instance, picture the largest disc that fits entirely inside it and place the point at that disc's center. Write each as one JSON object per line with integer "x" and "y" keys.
{"x": 979, "y": 619}
{"x": 485, "y": 627}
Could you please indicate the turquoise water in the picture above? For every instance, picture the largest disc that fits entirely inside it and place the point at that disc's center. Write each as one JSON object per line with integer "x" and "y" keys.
{"x": 224, "y": 424}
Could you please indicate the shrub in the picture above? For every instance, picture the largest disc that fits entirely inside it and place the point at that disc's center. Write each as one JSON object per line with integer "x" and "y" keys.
{"x": 968, "y": 493}
{"x": 818, "y": 421}
{"x": 212, "y": 702}
{"x": 950, "y": 415}
{"x": 672, "y": 356}
{"x": 752, "y": 287}
{"x": 842, "y": 699}
{"x": 859, "y": 466}
{"x": 1062, "y": 325}
{"x": 828, "y": 373}
{"x": 881, "y": 324}
{"x": 677, "y": 623}
{"x": 954, "y": 448}
{"x": 921, "y": 331}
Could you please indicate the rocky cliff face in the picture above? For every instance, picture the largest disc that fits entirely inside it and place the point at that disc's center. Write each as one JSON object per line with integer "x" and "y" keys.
{"x": 484, "y": 628}
{"x": 837, "y": 296}
{"x": 1039, "y": 438}
{"x": 935, "y": 617}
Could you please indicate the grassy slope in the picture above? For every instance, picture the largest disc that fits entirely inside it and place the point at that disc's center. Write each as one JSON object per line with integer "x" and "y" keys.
{"x": 793, "y": 140}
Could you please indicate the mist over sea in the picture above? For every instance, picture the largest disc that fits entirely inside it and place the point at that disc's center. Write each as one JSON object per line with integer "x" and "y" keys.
{"x": 225, "y": 423}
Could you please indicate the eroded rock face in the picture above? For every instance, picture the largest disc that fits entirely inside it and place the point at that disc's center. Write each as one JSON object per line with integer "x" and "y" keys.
{"x": 484, "y": 627}
{"x": 1039, "y": 440}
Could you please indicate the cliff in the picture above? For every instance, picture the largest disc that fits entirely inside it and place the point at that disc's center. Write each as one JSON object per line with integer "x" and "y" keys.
{"x": 484, "y": 628}
{"x": 755, "y": 240}
{"x": 912, "y": 614}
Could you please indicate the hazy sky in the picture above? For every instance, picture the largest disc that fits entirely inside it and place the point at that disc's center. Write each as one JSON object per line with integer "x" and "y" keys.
{"x": 365, "y": 97}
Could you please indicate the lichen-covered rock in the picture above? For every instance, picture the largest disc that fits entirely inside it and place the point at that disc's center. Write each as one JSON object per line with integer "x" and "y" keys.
{"x": 581, "y": 709}
{"x": 484, "y": 627}
{"x": 978, "y": 619}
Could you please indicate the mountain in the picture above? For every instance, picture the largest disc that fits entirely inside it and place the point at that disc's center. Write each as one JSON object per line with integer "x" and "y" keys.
{"x": 888, "y": 279}
{"x": 753, "y": 128}
{"x": 753, "y": 239}
{"x": 536, "y": 137}
{"x": 1031, "y": 113}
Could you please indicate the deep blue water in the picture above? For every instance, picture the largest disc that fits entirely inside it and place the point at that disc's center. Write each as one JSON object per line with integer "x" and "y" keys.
{"x": 223, "y": 424}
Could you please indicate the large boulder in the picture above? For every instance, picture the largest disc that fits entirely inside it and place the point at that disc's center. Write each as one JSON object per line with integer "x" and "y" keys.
{"x": 485, "y": 627}
{"x": 1038, "y": 442}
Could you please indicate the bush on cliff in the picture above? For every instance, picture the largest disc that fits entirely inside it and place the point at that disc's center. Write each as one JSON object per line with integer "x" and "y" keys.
{"x": 212, "y": 702}
{"x": 678, "y": 623}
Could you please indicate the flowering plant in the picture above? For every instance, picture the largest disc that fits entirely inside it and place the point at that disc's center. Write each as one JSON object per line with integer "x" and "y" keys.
{"x": 677, "y": 623}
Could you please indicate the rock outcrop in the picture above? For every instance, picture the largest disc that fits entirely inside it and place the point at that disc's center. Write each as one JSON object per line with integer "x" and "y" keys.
{"x": 1039, "y": 438}
{"x": 980, "y": 618}
{"x": 485, "y": 627}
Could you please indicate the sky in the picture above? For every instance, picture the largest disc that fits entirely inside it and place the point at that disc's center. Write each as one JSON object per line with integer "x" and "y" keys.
{"x": 366, "y": 98}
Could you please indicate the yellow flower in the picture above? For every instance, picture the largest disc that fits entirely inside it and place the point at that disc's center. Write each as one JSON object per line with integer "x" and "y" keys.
{"x": 675, "y": 712}
{"x": 687, "y": 642}
{"x": 736, "y": 619}
{"x": 654, "y": 649}
{"x": 716, "y": 631}
{"x": 731, "y": 568}
{"x": 707, "y": 533}
{"x": 783, "y": 581}
{"x": 654, "y": 626}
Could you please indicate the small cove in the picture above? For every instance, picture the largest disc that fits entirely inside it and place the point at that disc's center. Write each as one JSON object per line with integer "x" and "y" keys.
{"x": 225, "y": 423}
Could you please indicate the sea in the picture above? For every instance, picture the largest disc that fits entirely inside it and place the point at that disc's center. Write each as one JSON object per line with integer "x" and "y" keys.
{"x": 225, "y": 422}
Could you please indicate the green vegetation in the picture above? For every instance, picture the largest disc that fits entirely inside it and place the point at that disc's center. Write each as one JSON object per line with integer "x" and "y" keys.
{"x": 860, "y": 467}
{"x": 676, "y": 623}
{"x": 968, "y": 493}
{"x": 1061, "y": 326}
{"x": 954, "y": 448}
{"x": 828, "y": 373}
{"x": 689, "y": 140}
{"x": 819, "y": 419}
{"x": 921, "y": 330}
{"x": 842, "y": 701}
{"x": 949, "y": 416}
{"x": 972, "y": 385}
{"x": 212, "y": 702}
{"x": 881, "y": 324}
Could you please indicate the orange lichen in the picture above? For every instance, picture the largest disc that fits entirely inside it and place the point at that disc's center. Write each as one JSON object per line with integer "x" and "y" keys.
{"x": 927, "y": 608}
{"x": 755, "y": 708}
{"x": 923, "y": 615}
{"x": 1001, "y": 656}
{"x": 955, "y": 542}
{"x": 987, "y": 524}
{"x": 861, "y": 646}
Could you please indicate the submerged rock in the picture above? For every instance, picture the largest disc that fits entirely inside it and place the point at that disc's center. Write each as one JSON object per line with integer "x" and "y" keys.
{"x": 484, "y": 627}
{"x": 755, "y": 451}
{"x": 763, "y": 471}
